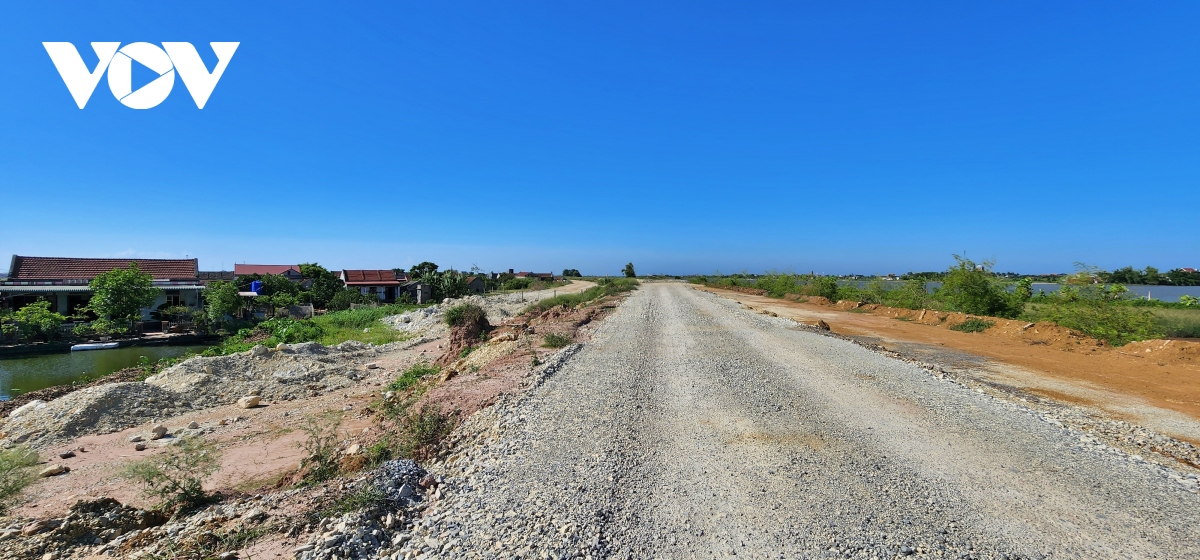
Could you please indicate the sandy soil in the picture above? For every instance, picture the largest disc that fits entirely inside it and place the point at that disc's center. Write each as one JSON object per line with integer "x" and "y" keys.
{"x": 1145, "y": 383}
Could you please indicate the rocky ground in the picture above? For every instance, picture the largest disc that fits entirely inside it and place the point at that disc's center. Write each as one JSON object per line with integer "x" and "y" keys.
{"x": 678, "y": 424}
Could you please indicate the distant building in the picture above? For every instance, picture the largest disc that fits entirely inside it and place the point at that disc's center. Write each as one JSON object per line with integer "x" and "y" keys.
{"x": 383, "y": 284}
{"x": 289, "y": 271}
{"x": 63, "y": 281}
{"x": 1186, "y": 269}
{"x": 206, "y": 277}
{"x": 545, "y": 276}
{"x": 476, "y": 285}
{"x": 416, "y": 291}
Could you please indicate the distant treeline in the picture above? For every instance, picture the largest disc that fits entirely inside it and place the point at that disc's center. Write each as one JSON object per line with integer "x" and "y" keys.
{"x": 1148, "y": 276}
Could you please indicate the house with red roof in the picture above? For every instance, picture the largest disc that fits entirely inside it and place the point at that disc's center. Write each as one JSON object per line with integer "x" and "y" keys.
{"x": 63, "y": 281}
{"x": 289, "y": 271}
{"x": 383, "y": 284}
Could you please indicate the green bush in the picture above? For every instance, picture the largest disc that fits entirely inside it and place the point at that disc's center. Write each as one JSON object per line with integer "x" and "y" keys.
{"x": 422, "y": 430}
{"x": 824, "y": 286}
{"x": 516, "y": 284}
{"x": 552, "y": 340}
{"x": 1113, "y": 322}
{"x": 176, "y": 477}
{"x": 604, "y": 287}
{"x": 466, "y": 314}
{"x": 973, "y": 325}
{"x": 16, "y": 472}
{"x": 971, "y": 288}
{"x": 344, "y": 298}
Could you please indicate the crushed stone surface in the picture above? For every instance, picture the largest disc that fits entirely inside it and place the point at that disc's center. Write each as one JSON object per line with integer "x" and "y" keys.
{"x": 690, "y": 427}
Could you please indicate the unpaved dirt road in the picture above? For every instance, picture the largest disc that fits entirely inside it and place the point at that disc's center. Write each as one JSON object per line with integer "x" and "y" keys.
{"x": 690, "y": 427}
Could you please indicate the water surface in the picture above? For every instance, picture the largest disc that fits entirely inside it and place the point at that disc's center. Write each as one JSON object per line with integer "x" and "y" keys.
{"x": 30, "y": 373}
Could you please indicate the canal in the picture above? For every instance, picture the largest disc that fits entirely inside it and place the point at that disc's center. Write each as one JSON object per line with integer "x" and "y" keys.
{"x": 30, "y": 373}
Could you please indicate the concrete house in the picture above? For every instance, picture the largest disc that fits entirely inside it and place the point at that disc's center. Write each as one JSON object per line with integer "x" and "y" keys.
{"x": 383, "y": 284}
{"x": 476, "y": 285}
{"x": 289, "y": 271}
{"x": 64, "y": 281}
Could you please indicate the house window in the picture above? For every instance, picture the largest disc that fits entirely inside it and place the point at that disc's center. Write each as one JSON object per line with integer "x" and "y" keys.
{"x": 174, "y": 299}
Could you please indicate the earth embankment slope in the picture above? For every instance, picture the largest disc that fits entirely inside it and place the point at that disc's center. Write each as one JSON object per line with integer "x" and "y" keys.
{"x": 692, "y": 428}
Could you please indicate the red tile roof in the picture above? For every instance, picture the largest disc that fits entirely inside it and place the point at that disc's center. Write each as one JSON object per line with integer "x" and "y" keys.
{"x": 370, "y": 278}
{"x": 246, "y": 269}
{"x": 65, "y": 268}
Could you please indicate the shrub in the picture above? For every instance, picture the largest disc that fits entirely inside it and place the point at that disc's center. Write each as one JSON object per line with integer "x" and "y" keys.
{"x": 322, "y": 446}
{"x": 516, "y": 284}
{"x": 422, "y": 430}
{"x": 467, "y": 314}
{"x": 553, "y": 340}
{"x": 1189, "y": 301}
{"x": 971, "y": 288}
{"x": 973, "y": 325}
{"x": 824, "y": 286}
{"x": 1113, "y": 322}
{"x": 344, "y": 298}
{"x": 176, "y": 477}
{"x": 16, "y": 472}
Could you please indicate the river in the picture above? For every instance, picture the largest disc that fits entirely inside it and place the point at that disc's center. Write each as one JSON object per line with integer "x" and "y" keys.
{"x": 30, "y": 373}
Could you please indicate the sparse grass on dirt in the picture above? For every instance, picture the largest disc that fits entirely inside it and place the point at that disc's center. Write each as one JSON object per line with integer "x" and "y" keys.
{"x": 412, "y": 376}
{"x": 367, "y": 495}
{"x": 322, "y": 446}
{"x": 175, "y": 478}
{"x": 16, "y": 472}
{"x": 553, "y": 340}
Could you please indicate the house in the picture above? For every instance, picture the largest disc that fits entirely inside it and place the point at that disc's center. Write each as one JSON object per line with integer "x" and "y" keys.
{"x": 207, "y": 277}
{"x": 382, "y": 283}
{"x": 64, "y": 281}
{"x": 289, "y": 271}
{"x": 1188, "y": 269}
{"x": 476, "y": 285}
{"x": 543, "y": 276}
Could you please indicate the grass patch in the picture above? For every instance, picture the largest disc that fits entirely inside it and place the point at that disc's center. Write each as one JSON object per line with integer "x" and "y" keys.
{"x": 412, "y": 376}
{"x": 973, "y": 325}
{"x": 365, "y": 497}
{"x": 16, "y": 472}
{"x": 605, "y": 287}
{"x": 555, "y": 340}
{"x": 422, "y": 430}
{"x": 466, "y": 352}
{"x": 1179, "y": 323}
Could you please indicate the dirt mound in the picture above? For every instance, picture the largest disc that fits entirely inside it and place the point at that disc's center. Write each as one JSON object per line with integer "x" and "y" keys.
{"x": 1165, "y": 351}
{"x": 102, "y": 409}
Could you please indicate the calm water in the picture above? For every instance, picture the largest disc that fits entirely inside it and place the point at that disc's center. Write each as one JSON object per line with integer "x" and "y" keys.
{"x": 29, "y": 373}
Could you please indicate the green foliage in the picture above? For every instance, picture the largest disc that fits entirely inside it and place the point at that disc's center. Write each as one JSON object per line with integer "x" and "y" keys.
{"x": 37, "y": 321}
{"x": 516, "y": 284}
{"x": 571, "y": 273}
{"x": 421, "y": 270}
{"x": 824, "y": 286}
{"x": 221, "y": 299}
{"x": 121, "y": 294}
{"x": 552, "y": 340}
{"x": 322, "y": 446}
{"x": 467, "y": 314}
{"x": 324, "y": 284}
{"x": 412, "y": 376}
{"x": 628, "y": 271}
{"x": 290, "y": 331}
{"x": 604, "y": 287}
{"x": 779, "y": 284}
{"x": 973, "y": 325}
{"x": 1189, "y": 301}
{"x": 365, "y": 496}
{"x": 422, "y": 430}
{"x": 1107, "y": 320}
{"x": 16, "y": 472}
{"x": 176, "y": 477}
{"x": 973, "y": 289}
{"x": 344, "y": 298}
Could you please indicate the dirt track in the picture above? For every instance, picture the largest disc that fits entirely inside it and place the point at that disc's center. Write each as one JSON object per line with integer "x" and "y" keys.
{"x": 690, "y": 427}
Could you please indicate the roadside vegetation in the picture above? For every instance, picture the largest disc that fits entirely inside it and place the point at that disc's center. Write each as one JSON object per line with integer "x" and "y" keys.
{"x": 604, "y": 287}
{"x": 175, "y": 479}
{"x": 363, "y": 324}
{"x": 16, "y": 472}
{"x": 1085, "y": 302}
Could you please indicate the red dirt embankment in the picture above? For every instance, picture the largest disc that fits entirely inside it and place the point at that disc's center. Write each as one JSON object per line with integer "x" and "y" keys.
{"x": 1160, "y": 373}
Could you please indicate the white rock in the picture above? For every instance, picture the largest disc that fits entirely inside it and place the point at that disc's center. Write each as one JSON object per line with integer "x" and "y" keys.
{"x": 249, "y": 402}
{"x": 158, "y": 432}
{"x": 26, "y": 408}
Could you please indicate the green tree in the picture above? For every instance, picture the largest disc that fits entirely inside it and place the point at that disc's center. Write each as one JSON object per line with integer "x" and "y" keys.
{"x": 571, "y": 273}
{"x": 972, "y": 288}
{"x": 629, "y": 273}
{"x": 422, "y": 270}
{"x": 343, "y": 299}
{"x": 121, "y": 293}
{"x": 323, "y": 283}
{"x": 36, "y": 320}
{"x": 221, "y": 299}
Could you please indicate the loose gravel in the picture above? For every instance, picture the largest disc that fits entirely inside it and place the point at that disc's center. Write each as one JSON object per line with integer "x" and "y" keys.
{"x": 690, "y": 427}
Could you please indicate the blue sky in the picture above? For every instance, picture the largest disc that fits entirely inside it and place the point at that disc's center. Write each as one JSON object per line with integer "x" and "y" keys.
{"x": 685, "y": 137}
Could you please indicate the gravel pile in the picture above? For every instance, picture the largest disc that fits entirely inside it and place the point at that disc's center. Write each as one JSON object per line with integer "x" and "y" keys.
{"x": 284, "y": 373}
{"x": 380, "y": 529}
{"x": 692, "y": 428}
{"x": 106, "y": 408}
{"x": 498, "y": 307}
{"x": 289, "y": 372}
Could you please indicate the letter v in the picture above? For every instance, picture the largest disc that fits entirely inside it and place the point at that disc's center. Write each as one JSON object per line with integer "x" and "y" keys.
{"x": 191, "y": 69}
{"x": 80, "y": 82}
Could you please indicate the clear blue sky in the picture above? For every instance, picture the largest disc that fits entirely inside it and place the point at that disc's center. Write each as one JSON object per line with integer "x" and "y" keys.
{"x": 686, "y": 137}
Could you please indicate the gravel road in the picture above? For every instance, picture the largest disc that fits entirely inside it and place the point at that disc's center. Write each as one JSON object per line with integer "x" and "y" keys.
{"x": 690, "y": 427}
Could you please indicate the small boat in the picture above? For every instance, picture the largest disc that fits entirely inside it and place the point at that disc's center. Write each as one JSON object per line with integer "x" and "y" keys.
{"x": 95, "y": 346}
